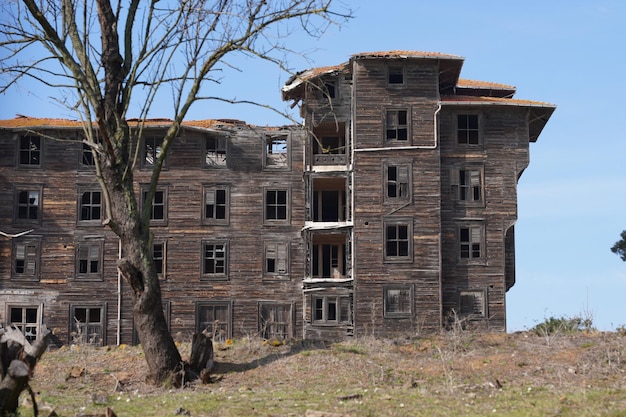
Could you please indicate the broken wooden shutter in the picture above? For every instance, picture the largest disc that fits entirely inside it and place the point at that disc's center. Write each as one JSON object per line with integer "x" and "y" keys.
{"x": 281, "y": 258}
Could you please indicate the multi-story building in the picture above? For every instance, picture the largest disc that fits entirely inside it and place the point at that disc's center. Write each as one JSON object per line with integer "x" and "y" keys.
{"x": 389, "y": 212}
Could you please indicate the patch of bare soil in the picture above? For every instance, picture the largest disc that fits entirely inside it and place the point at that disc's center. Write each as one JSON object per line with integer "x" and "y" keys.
{"x": 436, "y": 365}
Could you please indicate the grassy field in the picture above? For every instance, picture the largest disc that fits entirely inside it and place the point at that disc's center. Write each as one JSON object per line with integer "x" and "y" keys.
{"x": 452, "y": 374}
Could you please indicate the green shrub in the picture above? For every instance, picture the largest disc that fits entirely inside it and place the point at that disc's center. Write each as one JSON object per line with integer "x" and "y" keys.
{"x": 563, "y": 324}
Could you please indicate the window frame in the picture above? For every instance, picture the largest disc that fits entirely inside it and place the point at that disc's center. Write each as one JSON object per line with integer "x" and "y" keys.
{"x": 163, "y": 191}
{"x": 207, "y": 190}
{"x": 227, "y": 334}
{"x": 278, "y": 248}
{"x": 214, "y": 276}
{"x": 327, "y": 300}
{"x": 287, "y": 205}
{"x": 157, "y": 147}
{"x": 386, "y": 181}
{"x": 75, "y": 337}
{"x": 391, "y": 70}
{"x": 163, "y": 259}
{"x": 39, "y": 150}
{"x": 86, "y": 149}
{"x": 396, "y": 126}
{"x": 265, "y": 329}
{"x": 18, "y": 205}
{"x": 482, "y": 296}
{"x": 24, "y": 324}
{"x": 88, "y": 245}
{"x": 468, "y": 190}
{"x": 398, "y": 221}
{"x": 472, "y": 228}
{"x": 219, "y": 140}
{"x": 30, "y": 241}
{"x": 387, "y": 312}
{"x": 79, "y": 212}
{"x": 268, "y": 145}
{"x": 467, "y": 129}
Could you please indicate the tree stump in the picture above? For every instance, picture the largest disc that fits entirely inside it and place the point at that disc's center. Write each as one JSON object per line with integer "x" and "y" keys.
{"x": 201, "y": 359}
{"x": 17, "y": 363}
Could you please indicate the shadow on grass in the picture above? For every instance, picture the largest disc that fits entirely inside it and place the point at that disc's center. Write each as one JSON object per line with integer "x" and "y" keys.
{"x": 224, "y": 367}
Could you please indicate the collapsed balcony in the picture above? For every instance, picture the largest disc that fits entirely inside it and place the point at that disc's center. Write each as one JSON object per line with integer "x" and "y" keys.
{"x": 328, "y": 256}
{"x": 328, "y": 141}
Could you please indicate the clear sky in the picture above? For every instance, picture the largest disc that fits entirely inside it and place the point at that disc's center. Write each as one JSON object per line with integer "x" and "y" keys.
{"x": 572, "y": 197}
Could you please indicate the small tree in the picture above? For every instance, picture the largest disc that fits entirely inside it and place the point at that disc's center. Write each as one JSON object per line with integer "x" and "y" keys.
{"x": 107, "y": 57}
{"x": 619, "y": 247}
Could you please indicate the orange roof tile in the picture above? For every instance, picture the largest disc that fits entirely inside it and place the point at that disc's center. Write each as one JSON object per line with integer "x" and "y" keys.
{"x": 465, "y": 83}
{"x": 42, "y": 123}
{"x": 406, "y": 54}
{"x": 447, "y": 99}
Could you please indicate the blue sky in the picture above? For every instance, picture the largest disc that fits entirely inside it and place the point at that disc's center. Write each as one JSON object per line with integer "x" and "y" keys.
{"x": 572, "y": 198}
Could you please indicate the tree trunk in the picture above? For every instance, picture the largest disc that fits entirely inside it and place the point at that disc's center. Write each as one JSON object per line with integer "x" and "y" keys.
{"x": 201, "y": 358}
{"x": 18, "y": 359}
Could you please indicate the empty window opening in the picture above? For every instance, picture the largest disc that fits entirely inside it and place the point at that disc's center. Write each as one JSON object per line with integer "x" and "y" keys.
{"x": 26, "y": 319}
{"x": 158, "y": 255}
{"x": 89, "y": 259}
{"x": 90, "y": 205}
{"x": 214, "y": 259}
{"x": 276, "y": 151}
{"x": 397, "y": 125}
{"x": 215, "y": 151}
{"x": 329, "y": 259}
{"x": 88, "y": 326}
{"x": 397, "y": 240}
{"x": 470, "y": 242}
{"x": 158, "y": 208}
{"x": 467, "y": 185}
{"x": 276, "y": 258}
{"x": 276, "y": 205}
{"x": 467, "y": 129}
{"x": 30, "y": 151}
{"x": 395, "y": 75}
{"x": 28, "y": 205}
{"x": 398, "y": 182}
{"x": 152, "y": 150}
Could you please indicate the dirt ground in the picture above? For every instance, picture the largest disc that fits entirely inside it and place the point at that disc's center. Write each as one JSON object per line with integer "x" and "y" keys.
{"x": 460, "y": 364}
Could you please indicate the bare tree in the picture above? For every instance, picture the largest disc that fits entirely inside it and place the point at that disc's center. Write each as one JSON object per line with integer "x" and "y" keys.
{"x": 106, "y": 58}
{"x": 619, "y": 248}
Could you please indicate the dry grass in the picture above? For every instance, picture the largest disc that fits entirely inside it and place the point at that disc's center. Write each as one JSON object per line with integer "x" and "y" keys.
{"x": 459, "y": 373}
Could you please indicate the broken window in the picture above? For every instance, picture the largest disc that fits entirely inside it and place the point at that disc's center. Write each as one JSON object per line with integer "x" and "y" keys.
{"x": 395, "y": 75}
{"x": 467, "y": 129}
{"x": 275, "y": 321}
{"x": 397, "y": 125}
{"x": 151, "y": 150}
{"x": 90, "y": 206}
{"x": 331, "y": 309}
{"x": 158, "y": 255}
{"x": 215, "y": 260}
{"x": 276, "y": 259}
{"x": 158, "y": 210}
{"x": 89, "y": 259}
{"x": 472, "y": 303}
{"x": 467, "y": 185}
{"x": 28, "y": 204}
{"x": 398, "y": 240}
{"x": 215, "y": 317}
{"x": 87, "y": 157}
{"x": 276, "y": 205}
{"x": 27, "y": 319}
{"x": 398, "y": 301}
{"x": 216, "y": 205}
{"x": 30, "y": 150}
{"x": 328, "y": 141}
{"x": 276, "y": 151}
{"x": 26, "y": 258}
{"x": 88, "y": 325}
{"x": 470, "y": 242}
{"x": 215, "y": 151}
{"x": 397, "y": 180}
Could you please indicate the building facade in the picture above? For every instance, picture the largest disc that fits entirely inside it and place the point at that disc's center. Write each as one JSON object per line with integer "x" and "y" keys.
{"x": 389, "y": 212}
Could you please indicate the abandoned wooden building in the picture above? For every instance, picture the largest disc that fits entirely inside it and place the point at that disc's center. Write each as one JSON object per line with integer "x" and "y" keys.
{"x": 392, "y": 207}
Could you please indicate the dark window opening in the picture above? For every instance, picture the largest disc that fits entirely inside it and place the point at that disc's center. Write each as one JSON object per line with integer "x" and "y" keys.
{"x": 397, "y": 125}
{"x": 88, "y": 326}
{"x": 215, "y": 152}
{"x": 396, "y": 75}
{"x": 28, "y": 205}
{"x": 397, "y": 240}
{"x": 215, "y": 318}
{"x": 470, "y": 239}
{"x": 467, "y": 129}
{"x": 329, "y": 261}
{"x": 90, "y": 205}
{"x": 276, "y": 205}
{"x": 398, "y": 182}
{"x": 214, "y": 259}
{"x": 26, "y": 319}
{"x": 30, "y": 151}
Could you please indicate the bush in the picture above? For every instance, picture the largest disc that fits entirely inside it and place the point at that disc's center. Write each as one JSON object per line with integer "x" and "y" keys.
{"x": 563, "y": 324}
